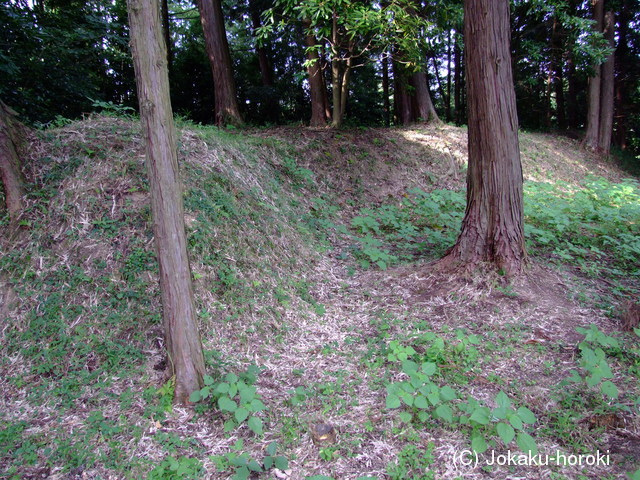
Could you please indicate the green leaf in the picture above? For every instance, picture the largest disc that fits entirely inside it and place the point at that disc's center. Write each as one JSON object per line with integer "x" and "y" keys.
{"x": 257, "y": 405}
{"x": 421, "y": 402}
{"x": 268, "y": 462}
{"x": 272, "y": 448}
{"x": 222, "y": 388}
{"x": 409, "y": 366}
{"x": 405, "y": 417}
{"x": 241, "y": 414}
{"x": 478, "y": 444}
{"x": 254, "y": 466}
{"x": 393, "y": 401}
{"x": 230, "y": 425}
{"x": 242, "y": 473}
{"x": 195, "y": 396}
{"x": 505, "y": 432}
{"x": 231, "y": 378}
{"x": 208, "y": 380}
{"x": 282, "y": 463}
{"x": 526, "y": 415}
{"x": 429, "y": 368}
{"x": 480, "y": 415}
{"x": 255, "y": 424}
{"x": 226, "y": 404}
{"x": 447, "y": 393}
{"x": 502, "y": 400}
{"x": 516, "y": 422}
{"x": 445, "y": 412}
{"x": 526, "y": 443}
{"x": 609, "y": 389}
{"x": 247, "y": 394}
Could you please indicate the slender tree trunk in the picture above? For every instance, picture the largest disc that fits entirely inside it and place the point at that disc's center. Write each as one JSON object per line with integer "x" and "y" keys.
{"x": 325, "y": 91}
{"x": 166, "y": 30}
{"x": 441, "y": 89}
{"x": 606, "y": 90}
{"x": 266, "y": 71}
{"x": 184, "y": 346}
{"x": 623, "y": 62}
{"x": 492, "y": 229}
{"x": 458, "y": 76}
{"x": 572, "y": 94}
{"x": 556, "y": 58}
{"x": 385, "y": 89}
{"x": 593, "y": 115}
{"x": 316, "y": 83}
{"x": 344, "y": 83}
{"x": 226, "y": 105}
{"x": 12, "y": 179}
{"x": 424, "y": 106}
{"x": 448, "y": 97}
{"x": 271, "y": 109}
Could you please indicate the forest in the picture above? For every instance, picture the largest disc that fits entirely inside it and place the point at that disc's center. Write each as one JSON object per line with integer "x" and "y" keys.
{"x": 319, "y": 239}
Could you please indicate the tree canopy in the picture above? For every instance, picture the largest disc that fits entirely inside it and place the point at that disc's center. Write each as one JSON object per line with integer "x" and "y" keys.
{"x": 69, "y": 57}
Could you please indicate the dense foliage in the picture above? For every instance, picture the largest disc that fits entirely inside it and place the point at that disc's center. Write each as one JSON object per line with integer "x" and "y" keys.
{"x": 69, "y": 57}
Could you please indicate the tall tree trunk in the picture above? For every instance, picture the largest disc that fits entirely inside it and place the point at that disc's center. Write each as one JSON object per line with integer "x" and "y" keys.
{"x": 623, "y": 62}
{"x": 316, "y": 83}
{"x": 593, "y": 115}
{"x": 266, "y": 71}
{"x": 166, "y": 30}
{"x": 572, "y": 94}
{"x": 183, "y": 342}
{"x": 557, "y": 53}
{"x": 458, "y": 80}
{"x": 12, "y": 179}
{"x": 271, "y": 109}
{"x": 424, "y": 106}
{"x": 447, "y": 111}
{"x": 606, "y": 90}
{"x": 492, "y": 229}
{"x": 385, "y": 89}
{"x": 401, "y": 98}
{"x": 215, "y": 37}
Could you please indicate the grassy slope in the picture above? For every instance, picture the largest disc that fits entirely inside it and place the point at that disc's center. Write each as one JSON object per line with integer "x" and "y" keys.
{"x": 280, "y": 284}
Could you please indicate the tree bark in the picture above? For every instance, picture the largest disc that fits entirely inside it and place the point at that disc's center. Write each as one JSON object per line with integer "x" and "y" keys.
{"x": 266, "y": 71}
{"x": 593, "y": 115}
{"x": 226, "y": 105}
{"x": 623, "y": 62}
{"x": 606, "y": 90}
{"x": 458, "y": 105}
{"x": 557, "y": 53}
{"x": 316, "y": 83}
{"x": 401, "y": 98}
{"x": 12, "y": 179}
{"x": 184, "y": 346}
{"x": 166, "y": 30}
{"x": 492, "y": 229}
{"x": 424, "y": 109}
{"x": 448, "y": 98}
{"x": 385, "y": 89}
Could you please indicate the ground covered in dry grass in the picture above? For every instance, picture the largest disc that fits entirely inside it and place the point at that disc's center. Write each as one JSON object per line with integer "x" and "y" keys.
{"x": 311, "y": 254}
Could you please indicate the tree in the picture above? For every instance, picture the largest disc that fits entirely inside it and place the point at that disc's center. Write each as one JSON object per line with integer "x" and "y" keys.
{"x": 317, "y": 88}
{"x": 492, "y": 229}
{"x": 226, "y": 105}
{"x": 183, "y": 342}
{"x": 601, "y": 86}
{"x": 593, "y": 117}
{"x": 12, "y": 179}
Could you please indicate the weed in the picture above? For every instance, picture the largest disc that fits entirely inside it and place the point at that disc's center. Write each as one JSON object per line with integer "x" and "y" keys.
{"x": 237, "y": 397}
